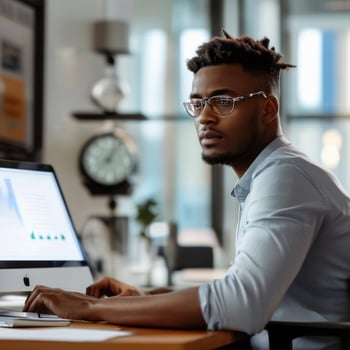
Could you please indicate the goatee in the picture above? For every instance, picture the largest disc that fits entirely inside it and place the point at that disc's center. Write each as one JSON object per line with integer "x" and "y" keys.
{"x": 219, "y": 159}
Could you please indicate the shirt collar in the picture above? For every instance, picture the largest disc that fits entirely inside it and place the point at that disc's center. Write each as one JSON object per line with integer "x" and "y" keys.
{"x": 242, "y": 186}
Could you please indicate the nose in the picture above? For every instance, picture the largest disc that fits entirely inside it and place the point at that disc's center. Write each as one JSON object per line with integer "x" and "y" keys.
{"x": 207, "y": 116}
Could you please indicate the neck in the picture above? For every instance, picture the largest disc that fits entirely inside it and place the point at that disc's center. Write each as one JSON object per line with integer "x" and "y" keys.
{"x": 241, "y": 165}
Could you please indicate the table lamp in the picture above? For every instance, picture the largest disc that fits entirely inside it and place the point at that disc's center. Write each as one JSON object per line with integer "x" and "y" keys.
{"x": 111, "y": 38}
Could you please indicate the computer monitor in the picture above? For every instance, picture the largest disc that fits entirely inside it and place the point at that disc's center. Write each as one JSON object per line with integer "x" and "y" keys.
{"x": 38, "y": 240}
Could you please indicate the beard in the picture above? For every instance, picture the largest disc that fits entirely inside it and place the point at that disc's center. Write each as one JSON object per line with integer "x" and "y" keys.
{"x": 222, "y": 159}
{"x": 240, "y": 153}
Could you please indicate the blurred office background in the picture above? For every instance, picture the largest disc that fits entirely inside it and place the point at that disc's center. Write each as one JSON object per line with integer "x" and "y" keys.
{"x": 314, "y": 35}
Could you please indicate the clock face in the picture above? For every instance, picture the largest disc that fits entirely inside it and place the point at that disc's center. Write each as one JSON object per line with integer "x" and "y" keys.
{"x": 108, "y": 159}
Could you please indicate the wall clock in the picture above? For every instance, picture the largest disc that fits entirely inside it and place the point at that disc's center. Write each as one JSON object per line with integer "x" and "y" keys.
{"x": 107, "y": 161}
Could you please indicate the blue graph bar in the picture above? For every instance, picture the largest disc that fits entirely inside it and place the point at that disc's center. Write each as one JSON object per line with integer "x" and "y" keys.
{"x": 11, "y": 199}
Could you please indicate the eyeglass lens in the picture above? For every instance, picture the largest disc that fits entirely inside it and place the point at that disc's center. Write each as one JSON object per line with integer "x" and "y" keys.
{"x": 219, "y": 104}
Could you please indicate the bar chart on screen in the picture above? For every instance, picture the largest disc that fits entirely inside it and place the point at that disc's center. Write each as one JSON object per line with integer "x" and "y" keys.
{"x": 8, "y": 203}
{"x": 30, "y": 222}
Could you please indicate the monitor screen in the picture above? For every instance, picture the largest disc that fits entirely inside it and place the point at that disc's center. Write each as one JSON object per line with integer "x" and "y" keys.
{"x": 39, "y": 243}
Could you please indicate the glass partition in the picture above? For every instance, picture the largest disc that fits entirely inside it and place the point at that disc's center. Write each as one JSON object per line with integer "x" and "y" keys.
{"x": 316, "y": 94}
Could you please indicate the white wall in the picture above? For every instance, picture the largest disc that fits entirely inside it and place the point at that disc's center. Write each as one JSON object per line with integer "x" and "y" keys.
{"x": 71, "y": 67}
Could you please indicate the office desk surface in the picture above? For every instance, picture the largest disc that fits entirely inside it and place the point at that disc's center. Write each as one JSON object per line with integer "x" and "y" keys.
{"x": 141, "y": 339}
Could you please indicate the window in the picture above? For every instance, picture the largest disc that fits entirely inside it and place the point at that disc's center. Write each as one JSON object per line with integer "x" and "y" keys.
{"x": 317, "y": 91}
{"x": 170, "y": 170}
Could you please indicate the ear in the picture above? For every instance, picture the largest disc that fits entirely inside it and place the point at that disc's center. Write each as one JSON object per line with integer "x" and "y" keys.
{"x": 271, "y": 109}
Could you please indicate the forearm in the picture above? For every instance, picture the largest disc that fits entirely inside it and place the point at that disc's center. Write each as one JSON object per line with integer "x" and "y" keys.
{"x": 160, "y": 290}
{"x": 179, "y": 309}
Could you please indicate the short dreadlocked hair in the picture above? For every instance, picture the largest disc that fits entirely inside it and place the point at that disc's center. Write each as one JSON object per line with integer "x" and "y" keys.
{"x": 254, "y": 56}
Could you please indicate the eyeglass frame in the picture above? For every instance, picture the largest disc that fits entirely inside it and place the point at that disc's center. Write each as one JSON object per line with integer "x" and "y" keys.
{"x": 206, "y": 100}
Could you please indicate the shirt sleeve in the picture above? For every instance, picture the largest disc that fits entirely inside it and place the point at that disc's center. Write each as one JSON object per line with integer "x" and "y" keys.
{"x": 281, "y": 216}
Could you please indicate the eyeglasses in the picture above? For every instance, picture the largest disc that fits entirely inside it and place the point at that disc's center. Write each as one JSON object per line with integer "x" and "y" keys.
{"x": 221, "y": 105}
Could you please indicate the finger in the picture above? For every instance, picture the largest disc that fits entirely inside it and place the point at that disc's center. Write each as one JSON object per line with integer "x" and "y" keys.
{"x": 98, "y": 288}
{"x": 98, "y": 292}
{"x": 131, "y": 292}
{"x": 104, "y": 287}
{"x": 32, "y": 296}
{"x": 93, "y": 291}
{"x": 38, "y": 302}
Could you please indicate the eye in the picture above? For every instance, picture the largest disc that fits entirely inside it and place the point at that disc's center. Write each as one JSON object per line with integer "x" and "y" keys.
{"x": 223, "y": 101}
{"x": 196, "y": 104}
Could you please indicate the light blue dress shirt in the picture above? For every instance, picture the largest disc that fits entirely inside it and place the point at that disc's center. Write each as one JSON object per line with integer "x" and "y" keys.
{"x": 292, "y": 258}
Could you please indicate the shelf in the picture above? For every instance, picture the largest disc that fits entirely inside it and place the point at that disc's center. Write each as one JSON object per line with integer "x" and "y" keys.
{"x": 95, "y": 116}
{"x": 319, "y": 117}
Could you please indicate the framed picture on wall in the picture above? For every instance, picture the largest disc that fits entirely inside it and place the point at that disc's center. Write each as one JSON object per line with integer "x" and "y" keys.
{"x": 21, "y": 79}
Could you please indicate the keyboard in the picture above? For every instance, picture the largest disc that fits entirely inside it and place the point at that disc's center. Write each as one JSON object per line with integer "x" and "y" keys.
{"x": 9, "y": 318}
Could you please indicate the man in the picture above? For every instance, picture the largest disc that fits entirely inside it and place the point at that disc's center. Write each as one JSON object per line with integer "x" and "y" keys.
{"x": 291, "y": 261}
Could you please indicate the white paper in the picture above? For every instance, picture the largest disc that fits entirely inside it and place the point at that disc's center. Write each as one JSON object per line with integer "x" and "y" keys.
{"x": 61, "y": 334}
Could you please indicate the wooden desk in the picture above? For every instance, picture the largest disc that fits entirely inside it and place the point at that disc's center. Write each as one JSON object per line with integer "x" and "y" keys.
{"x": 142, "y": 339}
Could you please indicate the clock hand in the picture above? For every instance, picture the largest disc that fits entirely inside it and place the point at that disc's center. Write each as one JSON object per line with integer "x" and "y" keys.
{"x": 108, "y": 159}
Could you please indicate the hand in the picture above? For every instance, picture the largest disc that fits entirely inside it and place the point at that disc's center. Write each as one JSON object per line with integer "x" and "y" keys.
{"x": 64, "y": 304}
{"x": 109, "y": 287}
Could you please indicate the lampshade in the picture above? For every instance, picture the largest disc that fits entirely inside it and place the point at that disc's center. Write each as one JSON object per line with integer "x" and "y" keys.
{"x": 111, "y": 37}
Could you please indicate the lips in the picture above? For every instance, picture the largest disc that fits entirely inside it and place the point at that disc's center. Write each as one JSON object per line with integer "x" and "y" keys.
{"x": 209, "y": 137}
